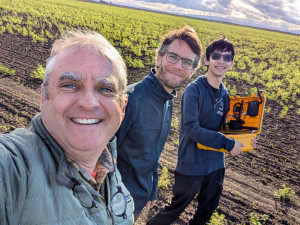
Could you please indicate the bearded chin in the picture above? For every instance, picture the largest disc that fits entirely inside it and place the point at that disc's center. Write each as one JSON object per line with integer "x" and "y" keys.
{"x": 160, "y": 72}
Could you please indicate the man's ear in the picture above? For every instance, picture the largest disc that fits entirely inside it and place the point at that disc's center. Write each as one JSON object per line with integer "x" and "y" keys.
{"x": 232, "y": 63}
{"x": 125, "y": 102}
{"x": 42, "y": 94}
{"x": 206, "y": 62}
{"x": 124, "y": 107}
{"x": 158, "y": 60}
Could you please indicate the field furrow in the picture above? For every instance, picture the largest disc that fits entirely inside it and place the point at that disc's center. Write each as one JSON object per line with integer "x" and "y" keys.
{"x": 270, "y": 58}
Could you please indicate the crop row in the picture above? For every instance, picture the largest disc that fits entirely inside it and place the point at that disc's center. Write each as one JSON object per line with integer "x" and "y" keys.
{"x": 269, "y": 58}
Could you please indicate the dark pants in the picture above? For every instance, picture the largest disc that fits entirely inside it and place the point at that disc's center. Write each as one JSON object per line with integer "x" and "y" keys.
{"x": 209, "y": 189}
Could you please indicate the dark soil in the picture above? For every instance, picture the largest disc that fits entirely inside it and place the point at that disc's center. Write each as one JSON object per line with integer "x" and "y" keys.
{"x": 250, "y": 180}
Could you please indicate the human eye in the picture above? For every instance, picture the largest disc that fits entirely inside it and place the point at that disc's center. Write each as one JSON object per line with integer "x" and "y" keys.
{"x": 187, "y": 62}
{"x": 228, "y": 58}
{"x": 215, "y": 56}
{"x": 69, "y": 86}
{"x": 107, "y": 91}
{"x": 173, "y": 55}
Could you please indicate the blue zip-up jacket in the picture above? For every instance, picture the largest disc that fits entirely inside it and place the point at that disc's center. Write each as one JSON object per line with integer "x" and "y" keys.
{"x": 141, "y": 138}
{"x": 201, "y": 119}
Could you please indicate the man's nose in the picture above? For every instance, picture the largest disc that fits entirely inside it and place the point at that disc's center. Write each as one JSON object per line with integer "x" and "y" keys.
{"x": 179, "y": 64}
{"x": 89, "y": 100}
{"x": 221, "y": 59}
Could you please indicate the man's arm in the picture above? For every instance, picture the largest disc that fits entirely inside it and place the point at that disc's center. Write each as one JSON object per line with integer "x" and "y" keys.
{"x": 191, "y": 125}
{"x": 153, "y": 198}
{"x": 12, "y": 183}
{"x": 237, "y": 148}
{"x": 125, "y": 126}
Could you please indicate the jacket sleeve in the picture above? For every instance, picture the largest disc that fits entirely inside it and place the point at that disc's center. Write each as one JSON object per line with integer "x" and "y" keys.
{"x": 191, "y": 126}
{"x": 125, "y": 126}
{"x": 12, "y": 183}
{"x": 155, "y": 184}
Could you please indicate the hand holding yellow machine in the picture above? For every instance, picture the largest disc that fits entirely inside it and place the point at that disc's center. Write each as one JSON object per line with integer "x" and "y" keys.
{"x": 243, "y": 121}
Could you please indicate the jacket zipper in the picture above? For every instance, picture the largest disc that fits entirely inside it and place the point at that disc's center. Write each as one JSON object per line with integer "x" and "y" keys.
{"x": 166, "y": 108}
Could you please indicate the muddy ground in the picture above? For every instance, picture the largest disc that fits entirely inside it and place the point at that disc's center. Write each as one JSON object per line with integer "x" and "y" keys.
{"x": 250, "y": 180}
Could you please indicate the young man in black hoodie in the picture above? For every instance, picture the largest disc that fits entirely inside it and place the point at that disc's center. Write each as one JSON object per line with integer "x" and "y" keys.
{"x": 148, "y": 115}
{"x": 200, "y": 172}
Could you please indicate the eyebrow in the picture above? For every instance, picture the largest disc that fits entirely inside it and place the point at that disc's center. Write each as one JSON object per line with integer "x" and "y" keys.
{"x": 70, "y": 76}
{"x": 77, "y": 77}
{"x": 111, "y": 81}
{"x": 104, "y": 80}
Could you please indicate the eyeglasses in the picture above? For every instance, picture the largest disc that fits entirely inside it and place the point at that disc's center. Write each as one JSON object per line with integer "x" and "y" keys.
{"x": 119, "y": 200}
{"x": 217, "y": 56}
{"x": 85, "y": 202}
{"x": 79, "y": 190}
{"x": 118, "y": 207}
{"x": 172, "y": 57}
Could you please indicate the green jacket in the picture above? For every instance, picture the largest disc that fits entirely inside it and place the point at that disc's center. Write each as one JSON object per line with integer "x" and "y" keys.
{"x": 31, "y": 193}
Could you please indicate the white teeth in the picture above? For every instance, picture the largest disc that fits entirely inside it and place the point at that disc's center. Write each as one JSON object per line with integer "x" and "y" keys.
{"x": 86, "y": 121}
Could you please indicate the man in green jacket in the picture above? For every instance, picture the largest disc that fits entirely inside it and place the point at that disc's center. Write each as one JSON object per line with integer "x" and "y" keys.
{"x": 62, "y": 170}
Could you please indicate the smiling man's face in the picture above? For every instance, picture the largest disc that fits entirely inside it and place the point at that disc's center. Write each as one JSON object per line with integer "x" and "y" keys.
{"x": 218, "y": 67}
{"x": 172, "y": 75}
{"x": 83, "y": 109}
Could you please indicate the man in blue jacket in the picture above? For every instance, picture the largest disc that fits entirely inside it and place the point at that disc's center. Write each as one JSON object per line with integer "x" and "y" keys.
{"x": 204, "y": 105}
{"x": 144, "y": 130}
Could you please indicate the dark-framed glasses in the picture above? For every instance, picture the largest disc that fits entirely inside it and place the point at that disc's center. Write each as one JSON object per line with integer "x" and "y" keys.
{"x": 217, "y": 56}
{"x": 79, "y": 194}
{"x": 85, "y": 194}
{"x": 119, "y": 203}
{"x": 172, "y": 57}
{"x": 80, "y": 191}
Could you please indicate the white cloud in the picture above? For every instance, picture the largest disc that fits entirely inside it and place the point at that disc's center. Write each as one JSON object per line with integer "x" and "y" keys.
{"x": 283, "y": 15}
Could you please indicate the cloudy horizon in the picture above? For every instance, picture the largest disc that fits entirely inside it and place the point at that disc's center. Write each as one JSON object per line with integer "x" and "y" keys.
{"x": 280, "y": 15}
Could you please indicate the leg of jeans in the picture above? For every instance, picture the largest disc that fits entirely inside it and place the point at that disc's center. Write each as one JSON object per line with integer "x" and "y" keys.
{"x": 208, "y": 197}
{"x": 184, "y": 190}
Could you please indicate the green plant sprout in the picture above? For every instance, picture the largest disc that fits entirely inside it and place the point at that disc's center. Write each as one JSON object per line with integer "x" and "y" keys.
{"x": 38, "y": 73}
{"x": 216, "y": 219}
{"x": 5, "y": 71}
{"x": 257, "y": 220}
{"x": 284, "y": 193}
{"x": 164, "y": 181}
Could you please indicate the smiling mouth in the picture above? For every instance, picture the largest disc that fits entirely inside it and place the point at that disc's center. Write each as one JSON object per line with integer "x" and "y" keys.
{"x": 86, "y": 121}
{"x": 176, "y": 74}
{"x": 220, "y": 67}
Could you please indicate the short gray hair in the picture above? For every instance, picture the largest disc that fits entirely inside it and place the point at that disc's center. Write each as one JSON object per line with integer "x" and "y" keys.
{"x": 94, "y": 40}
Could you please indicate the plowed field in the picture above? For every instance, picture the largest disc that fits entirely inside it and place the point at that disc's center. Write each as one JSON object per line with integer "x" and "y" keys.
{"x": 251, "y": 178}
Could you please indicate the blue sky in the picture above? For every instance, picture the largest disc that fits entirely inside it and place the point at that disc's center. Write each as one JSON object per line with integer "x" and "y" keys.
{"x": 282, "y": 15}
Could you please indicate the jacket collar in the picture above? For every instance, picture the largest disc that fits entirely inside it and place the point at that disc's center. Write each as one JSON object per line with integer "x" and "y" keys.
{"x": 38, "y": 127}
{"x": 104, "y": 164}
{"x": 223, "y": 89}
